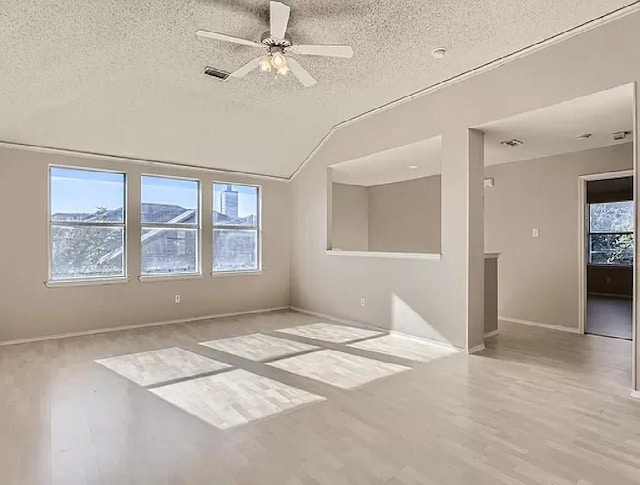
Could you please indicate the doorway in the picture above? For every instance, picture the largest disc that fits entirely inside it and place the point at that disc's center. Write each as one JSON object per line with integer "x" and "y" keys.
{"x": 607, "y": 258}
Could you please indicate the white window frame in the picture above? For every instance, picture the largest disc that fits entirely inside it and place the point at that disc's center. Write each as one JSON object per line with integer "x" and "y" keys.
{"x": 88, "y": 280}
{"x": 257, "y": 228}
{"x": 604, "y": 233}
{"x": 179, "y": 226}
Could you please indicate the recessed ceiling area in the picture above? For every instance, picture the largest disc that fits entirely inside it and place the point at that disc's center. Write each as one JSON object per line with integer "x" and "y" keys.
{"x": 559, "y": 128}
{"x": 125, "y": 78}
{"x": 417, "y": 160}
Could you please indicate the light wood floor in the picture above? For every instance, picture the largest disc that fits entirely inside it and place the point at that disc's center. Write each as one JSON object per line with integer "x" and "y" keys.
{"x": 537, "y": 407}
{"x": 610, "y": 316}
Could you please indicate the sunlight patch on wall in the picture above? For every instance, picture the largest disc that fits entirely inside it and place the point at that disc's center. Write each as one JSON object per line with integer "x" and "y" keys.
{"x": 405, "y": 319}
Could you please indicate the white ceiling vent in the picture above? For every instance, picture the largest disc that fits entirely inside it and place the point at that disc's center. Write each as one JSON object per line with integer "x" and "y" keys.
{"x": 216, "y": 73}
{"x": 514, "y": 142}
{"x": 620, "y": 135}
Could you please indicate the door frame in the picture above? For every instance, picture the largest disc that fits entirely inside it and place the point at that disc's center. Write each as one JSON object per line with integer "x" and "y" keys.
{"x": 582, "y": 241}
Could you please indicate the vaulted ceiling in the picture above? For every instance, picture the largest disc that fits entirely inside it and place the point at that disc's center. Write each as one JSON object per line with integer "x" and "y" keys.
{"x": 125, "y": 78}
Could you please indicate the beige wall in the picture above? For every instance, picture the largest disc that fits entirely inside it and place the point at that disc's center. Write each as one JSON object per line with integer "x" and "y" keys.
{"x": 440, "y": 299}
{"x": 538, "y": 279}
{"x": 405, "y": 216}
{"x": 29, "y": 309}
{"x": 350, "y": 217}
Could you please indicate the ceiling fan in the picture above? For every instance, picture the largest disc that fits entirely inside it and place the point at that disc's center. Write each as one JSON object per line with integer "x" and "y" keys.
{"x": 279, "y": 48}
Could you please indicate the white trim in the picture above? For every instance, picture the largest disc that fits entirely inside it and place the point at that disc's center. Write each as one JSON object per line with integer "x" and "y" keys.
{"x": 86, "y": 282}
{"x": 169, "y": 277}
{"x": 635, "y": 394}
{"x": 374, "y": 327}
{"x": 562, "y": 328}
{"x": 582, "y": 238}
{"x": 636, "y": 251}
{"x": 608, "y": 175}
{"x": 489, "y": 66}
{"x": 220, "y": 274}
{"x": 133, "y": 327}
{"x": 142, "y": 161}
{"x": 493, "y": 333}
{"x": 382, "y": 254}
{"x": 477, "y": 348}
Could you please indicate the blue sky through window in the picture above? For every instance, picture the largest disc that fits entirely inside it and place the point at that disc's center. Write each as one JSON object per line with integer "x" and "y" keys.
{"x": 83, "y": 191}
{"x": 161, "y": 190}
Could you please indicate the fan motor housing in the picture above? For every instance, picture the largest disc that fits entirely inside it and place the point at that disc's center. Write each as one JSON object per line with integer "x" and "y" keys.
{"x": 269, "y": 41}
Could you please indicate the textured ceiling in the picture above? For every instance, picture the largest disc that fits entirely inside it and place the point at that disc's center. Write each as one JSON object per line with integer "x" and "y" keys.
{"x": 553, "y": 130}
{"x": 124, "y": 78}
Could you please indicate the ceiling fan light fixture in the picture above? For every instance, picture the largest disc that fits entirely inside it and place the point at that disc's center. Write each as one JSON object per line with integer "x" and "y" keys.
{"x": 278, "y": 60}
{"x": 265, "y": 64}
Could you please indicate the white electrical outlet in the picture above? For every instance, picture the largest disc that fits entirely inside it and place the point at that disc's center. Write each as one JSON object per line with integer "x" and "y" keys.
{"x": 535, "y": 232}
{"x": 177, "y": 298}
{"x": 363, "y": 302}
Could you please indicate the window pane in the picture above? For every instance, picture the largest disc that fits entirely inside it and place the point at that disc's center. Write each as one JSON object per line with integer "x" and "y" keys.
{"x": 169, "y": 251}
{"x": 235, "y": 205}
{"x": 615, "y": 249}
{"x": 169, "y": 200}
{"x": 85, "y": 195}
{"x": 611, "y": 217}
{"x": 86, "y": 252}
{"x": 235, "y": 249}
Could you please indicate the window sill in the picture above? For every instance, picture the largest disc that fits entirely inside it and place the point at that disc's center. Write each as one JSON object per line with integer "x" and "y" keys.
{"x": 220, "y": 274}
{"x": 86, "y": 282}
{"x": 380, "y": 254}
{"x": 169, "y": 277}
{"x": 613, "y": 266}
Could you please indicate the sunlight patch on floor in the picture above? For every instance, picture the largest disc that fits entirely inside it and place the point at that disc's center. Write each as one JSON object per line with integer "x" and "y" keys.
{"x": 158, "y": 366}
{"x": 404, "y": 347}
{"x": 258, "y": 347}
{"x": 330, "y": 333}
{"x": 338, "y": 369}
{"x": 234, "y": 398}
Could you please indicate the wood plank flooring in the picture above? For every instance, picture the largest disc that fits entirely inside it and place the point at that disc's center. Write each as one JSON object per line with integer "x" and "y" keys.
{"x": 610, "y": 316}
{"x": 537, "y": 407}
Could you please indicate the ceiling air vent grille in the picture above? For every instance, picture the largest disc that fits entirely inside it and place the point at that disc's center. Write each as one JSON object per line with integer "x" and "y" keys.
{"x": 216, "y": 73}
{"x": 514, "y": 142}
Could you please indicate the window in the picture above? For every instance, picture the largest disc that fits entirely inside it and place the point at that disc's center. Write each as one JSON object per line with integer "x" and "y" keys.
{"x": 611, "y": 233}
{"x": 170, "y": 216}
{"x": 86, "y": 224}
{"x": 236, "y": 227}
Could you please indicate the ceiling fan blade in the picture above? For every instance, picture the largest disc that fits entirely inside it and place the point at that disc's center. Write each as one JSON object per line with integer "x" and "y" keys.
{"x": 247, "y": 68}
{"x": 226, "y": 38}
{"x": 301, "y": 73}
{"x": 279, "y": 17}
{"x": 344, "y": 51}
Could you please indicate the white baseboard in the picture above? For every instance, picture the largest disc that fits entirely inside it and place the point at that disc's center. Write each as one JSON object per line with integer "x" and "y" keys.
{"x": 477, "y": 348}
{"x": 374, "y": 327}
{"x": 492, "y": 333}
{"x": 635, "y": 394}
{"x": 562, "y": 328}
{"x": 85, "y": 333}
